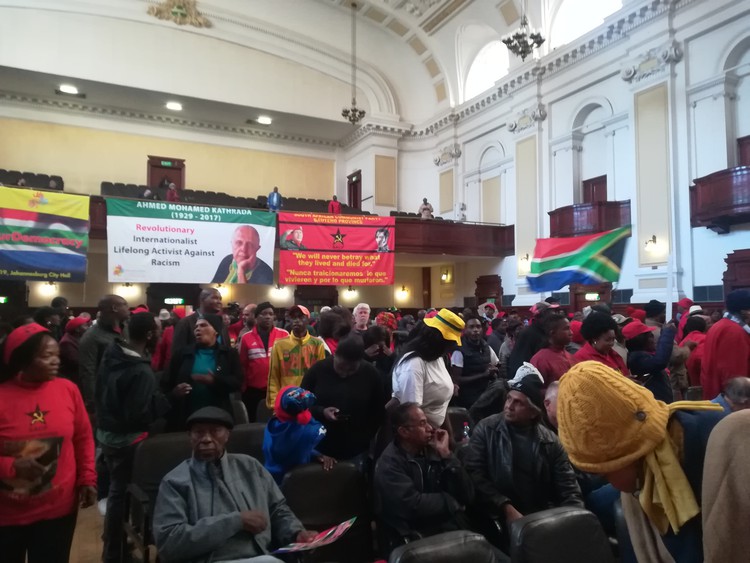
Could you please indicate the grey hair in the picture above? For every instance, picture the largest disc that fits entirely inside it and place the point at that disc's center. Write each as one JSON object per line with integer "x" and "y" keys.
{"x": 737, "y": 390}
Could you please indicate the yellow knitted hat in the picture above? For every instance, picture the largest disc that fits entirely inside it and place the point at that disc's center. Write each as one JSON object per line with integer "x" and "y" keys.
{"x": 606, "y": 422}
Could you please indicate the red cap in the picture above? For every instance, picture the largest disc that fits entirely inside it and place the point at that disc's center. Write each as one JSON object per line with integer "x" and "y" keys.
{"x": 685, "y": 303}
{"x": 302, "y": 309}
{"x": 140, "y": 310}
{"x": 638, "y": 314}
{"x": 18, "y": 337}
{"x": 636, "y": 328}
{"x": 75, "y": 323}
{"x": 629, "y": 311}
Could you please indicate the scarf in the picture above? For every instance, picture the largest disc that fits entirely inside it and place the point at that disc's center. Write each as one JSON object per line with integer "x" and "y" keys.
{"x": 735, "y": 319}
{"x": 232, "y": 276}
{"x": 666, "y": 496}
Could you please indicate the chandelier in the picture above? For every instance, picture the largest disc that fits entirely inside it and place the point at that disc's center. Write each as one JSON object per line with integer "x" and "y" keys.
{"x": 354, "y": 114}
{"x": 523, "y": 40}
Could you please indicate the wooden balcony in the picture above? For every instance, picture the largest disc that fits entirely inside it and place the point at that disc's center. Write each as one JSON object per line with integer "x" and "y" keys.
{"x": 721, "y": 199}
{"x": 588, "y": 218}
{"x": 434, "y": 236}
{"x": 412, "y": 235}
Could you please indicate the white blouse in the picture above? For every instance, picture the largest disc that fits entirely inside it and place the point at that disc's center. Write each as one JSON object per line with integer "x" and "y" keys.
{"x": 426, "y": 383}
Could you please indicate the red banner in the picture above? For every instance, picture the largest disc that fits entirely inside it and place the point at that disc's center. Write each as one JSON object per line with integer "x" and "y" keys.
{"x": 322, "y": 249}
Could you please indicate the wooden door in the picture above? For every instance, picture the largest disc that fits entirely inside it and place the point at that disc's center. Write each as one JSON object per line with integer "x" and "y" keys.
{"x": 354, "y": 189}
{"x": 594, "y": 190}
{"x": 743, "y": 150}
{"x": 163, "y": 170}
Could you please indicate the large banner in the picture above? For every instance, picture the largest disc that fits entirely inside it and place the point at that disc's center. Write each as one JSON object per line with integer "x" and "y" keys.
{"x": 153, "y": 241}
{"x": 321, "y": 249}
{"x": 44, "y": 236}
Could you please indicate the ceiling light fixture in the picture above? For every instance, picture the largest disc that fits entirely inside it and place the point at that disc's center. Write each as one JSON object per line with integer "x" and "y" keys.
{"x": 68, "y": 89}
{"x": 264, "y": 120}
{"x": 354, "y": 114}
{"x": 524, "y": 40}
{"x": 174, "y": 106}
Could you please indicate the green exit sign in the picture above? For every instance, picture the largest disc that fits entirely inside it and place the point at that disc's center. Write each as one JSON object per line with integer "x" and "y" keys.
{"x": 3, "y": 299}
{"x": 166, "y": 163}
{"x": 174, "y": 301}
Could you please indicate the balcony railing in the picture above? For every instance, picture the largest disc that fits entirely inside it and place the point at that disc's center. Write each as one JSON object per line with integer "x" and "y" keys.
{"x": 721, "y": 199}
{"x": 588, "y": 218}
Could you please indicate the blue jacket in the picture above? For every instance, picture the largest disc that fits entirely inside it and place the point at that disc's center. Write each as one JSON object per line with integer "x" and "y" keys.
{"x": 644, "y": 363}
{"x": 289, "y": 444}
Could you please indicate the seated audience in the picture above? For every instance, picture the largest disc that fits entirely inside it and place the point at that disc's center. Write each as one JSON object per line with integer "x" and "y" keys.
{"x": 350, "y": 401}
{"x": 255, "y": 354}
{"x": 210, "y": 369}
{"x": 218, "y": 506}
{"x": 473, "y": 363}
{"x": 736, "y": 395}
{"x": 726, "y": 502}
{"x": 554, "y": 360}
{"x": 292, "y": 356}
{"x": 598, "y": 329}
{"x": 421, "y": 488}
{"x": 727, "y": 347}
{"x": 647, "y": 360}
{"x": 420, "y": 375}
{"x": 614, "y": 427}
{"x": 47, "y": 459}
{"x": 69, "y": 345}
{"x": 517, "y": 464}
{"x": 292, "y": 434}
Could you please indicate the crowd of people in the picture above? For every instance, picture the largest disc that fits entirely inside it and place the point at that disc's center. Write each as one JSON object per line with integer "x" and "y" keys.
{"x": 590, "y": 409}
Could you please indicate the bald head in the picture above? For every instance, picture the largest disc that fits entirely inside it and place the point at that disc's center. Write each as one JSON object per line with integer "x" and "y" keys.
{"x": 245, "y": 244}
{"x": 737, "y": 393}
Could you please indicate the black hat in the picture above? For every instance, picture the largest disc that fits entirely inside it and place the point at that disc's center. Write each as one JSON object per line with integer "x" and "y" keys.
{"x": 654, "y": 308}
{"x": 215, "y": 321}
{"x": 551, "y": 300}
{"x": 211, "y": 414}
{"x": 531, "y": 387}
{"x": 738, "y": 300}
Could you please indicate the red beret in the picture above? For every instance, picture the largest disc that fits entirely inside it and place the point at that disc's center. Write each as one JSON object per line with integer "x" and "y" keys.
{"x": 19, "y": 336}
{"x": 75, "y": 323}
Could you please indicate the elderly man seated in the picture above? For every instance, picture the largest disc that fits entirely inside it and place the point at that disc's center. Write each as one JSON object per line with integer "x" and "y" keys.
{"x": 219, "y": 506}
{"x": 518, "y": 466}
{"x": 421, "y": 488}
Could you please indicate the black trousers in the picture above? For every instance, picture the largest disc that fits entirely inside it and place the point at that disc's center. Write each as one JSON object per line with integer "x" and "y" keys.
{"x": 46, "y": 541}
{"x": 251, "y": 397}
{"x": 119, "y": 463}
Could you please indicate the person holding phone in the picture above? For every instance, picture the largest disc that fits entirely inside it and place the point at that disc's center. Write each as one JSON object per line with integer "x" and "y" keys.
{"x": 350, "y": 401}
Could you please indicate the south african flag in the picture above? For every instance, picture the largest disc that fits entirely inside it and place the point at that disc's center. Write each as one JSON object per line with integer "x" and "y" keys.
{"x": 588, "y": 260}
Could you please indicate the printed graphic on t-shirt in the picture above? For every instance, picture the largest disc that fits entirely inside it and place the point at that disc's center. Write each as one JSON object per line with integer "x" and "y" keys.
{"x": 37, "y": 417}
{"x": 45, "y": 451}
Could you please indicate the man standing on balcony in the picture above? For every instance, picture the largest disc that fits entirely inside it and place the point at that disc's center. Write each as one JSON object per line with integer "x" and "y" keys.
{"x": 425, "y": 210}
{"x": 334, "y": 207}
{"x": 275, "y": 201}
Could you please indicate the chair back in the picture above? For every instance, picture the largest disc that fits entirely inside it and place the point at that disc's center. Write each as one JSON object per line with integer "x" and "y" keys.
{"x": 695, "y": 394}
{"x": 262, "y": 412}
{"x": 565, "y": 534}
{"x": 322, "y": 499}
{"x": 458, "y": 416}
{"x": 239, "y": 412}
{"x": 247, "y": 439}
{"x": 447, "y": 548}
{"x": 157, "y": 456}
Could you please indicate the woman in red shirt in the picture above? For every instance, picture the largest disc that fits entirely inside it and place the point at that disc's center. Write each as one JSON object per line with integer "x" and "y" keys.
{"x": 46, "y": 451}
{"x": 598, "y": 329}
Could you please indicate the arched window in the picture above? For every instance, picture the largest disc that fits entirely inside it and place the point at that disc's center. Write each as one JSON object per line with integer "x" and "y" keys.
{"x": 489, "y": 66}
{"x": 575, "y": 18}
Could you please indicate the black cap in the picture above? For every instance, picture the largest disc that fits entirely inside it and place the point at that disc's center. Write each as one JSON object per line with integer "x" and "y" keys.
{"x": 551, "y": 300}
{"x": 216, "y": 321}
{"x": 532, "y": 388}
{"x": 654, "y": 308}
{"x": 211, "y": 414}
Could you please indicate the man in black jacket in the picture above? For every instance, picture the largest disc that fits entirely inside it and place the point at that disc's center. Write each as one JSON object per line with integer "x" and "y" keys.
{"x": 517, "y": 465}
{"x": 209, "y": 303}
{"x": 420, "y": 486}
{"x": 128, "y": 401}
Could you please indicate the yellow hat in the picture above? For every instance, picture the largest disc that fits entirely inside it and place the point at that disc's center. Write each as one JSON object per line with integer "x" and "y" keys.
{"x": 449, "y": 324}
{"x": 606, "y": 421}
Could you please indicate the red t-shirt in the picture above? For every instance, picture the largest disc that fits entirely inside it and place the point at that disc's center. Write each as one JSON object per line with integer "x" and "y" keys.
{"x": 552, "y": 364}
{"x": 47, "y": 422}
{"x": 726, "y": 355}
{"x": 334, "y": 207}
{"x": 613, "y": 359}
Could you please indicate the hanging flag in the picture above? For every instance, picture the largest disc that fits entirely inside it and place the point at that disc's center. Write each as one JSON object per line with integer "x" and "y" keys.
{"x": 587, "y": 260}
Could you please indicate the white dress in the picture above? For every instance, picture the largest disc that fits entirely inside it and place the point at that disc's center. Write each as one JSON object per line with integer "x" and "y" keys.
{"x": 426, "y": 383}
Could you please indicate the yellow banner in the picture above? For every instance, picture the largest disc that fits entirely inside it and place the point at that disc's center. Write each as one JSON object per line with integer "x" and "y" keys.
{"x": 51, "y": 202}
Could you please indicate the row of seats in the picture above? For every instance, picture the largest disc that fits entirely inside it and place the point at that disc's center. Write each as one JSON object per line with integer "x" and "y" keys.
{"x": 134, "y": 191}
{"x": 33, "y": 180}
